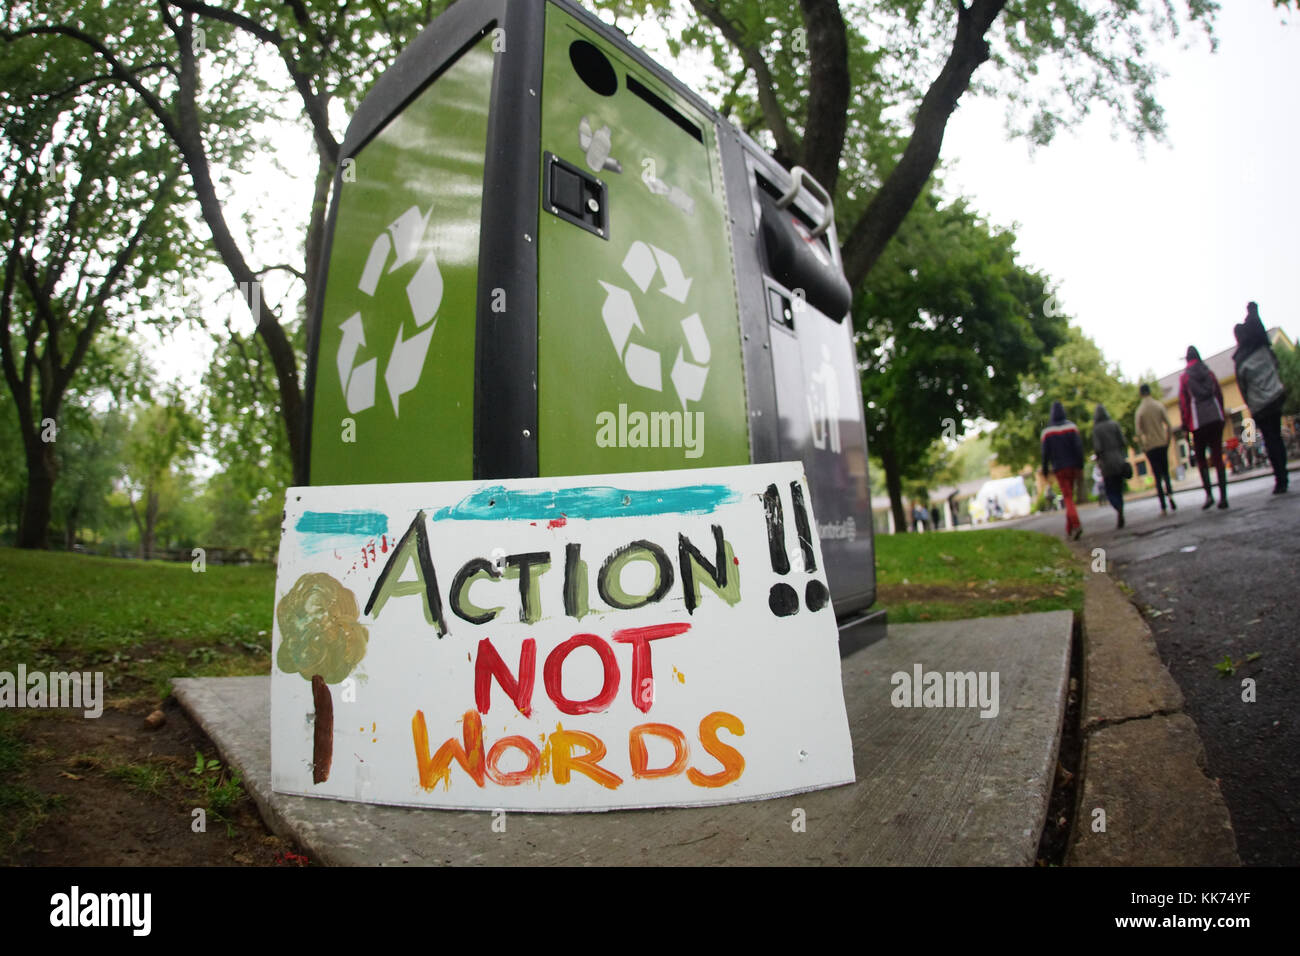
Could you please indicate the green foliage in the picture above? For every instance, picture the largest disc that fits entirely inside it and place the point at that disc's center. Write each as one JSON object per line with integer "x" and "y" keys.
{"x": 971, "y": 459}
{"x": 219, "y": 788}
{"x": 1077, "y": 375}
{"x": 162, "y": 439}
{"x": 1094, "y": 53}
{"x": 246, "y": 436}
{"x": 202, "y": 766}
{"x": 945, "y": 464}
{"x": 147, "y": 778}
{"x": 1288, "y": 366}
{"x": 90, "y": 451}
{"x": 946, "y": 323}
{"x": 89, "y": 196}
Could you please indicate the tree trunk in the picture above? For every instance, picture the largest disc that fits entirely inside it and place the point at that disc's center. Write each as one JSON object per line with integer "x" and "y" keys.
{"x": 189, "y": 139}
{"x": 42, "y": 469}
{"x": 829, "y": 90}
{"x": 323, "y": 730}
{"x": 150, "y": 521}
{"x": 315, "y": 244}
{"x": 894, "y": 483}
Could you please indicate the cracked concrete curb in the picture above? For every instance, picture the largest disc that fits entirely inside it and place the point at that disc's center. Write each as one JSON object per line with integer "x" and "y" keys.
{"x": 1143, "y": 763}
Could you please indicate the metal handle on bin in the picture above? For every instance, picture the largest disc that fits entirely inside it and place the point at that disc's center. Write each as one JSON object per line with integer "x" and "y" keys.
{"x": 799, "y": 176}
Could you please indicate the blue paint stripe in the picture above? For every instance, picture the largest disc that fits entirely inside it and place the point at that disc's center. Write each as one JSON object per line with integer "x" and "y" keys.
{"x": 367, "y": 523}
{"x": 496, "y": 503}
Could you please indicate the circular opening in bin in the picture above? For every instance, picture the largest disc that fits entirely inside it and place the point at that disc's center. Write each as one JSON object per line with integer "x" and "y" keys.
{"x": 593, "y": 67}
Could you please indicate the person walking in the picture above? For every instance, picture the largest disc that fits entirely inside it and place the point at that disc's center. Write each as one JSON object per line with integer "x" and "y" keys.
{"x": 1200, "y": 401}
{"x": 1112, "y": 457}
{"x": 1262, "y": 389}
{"x": 1151, "y": 425}
{"x": 1063, "y": 456}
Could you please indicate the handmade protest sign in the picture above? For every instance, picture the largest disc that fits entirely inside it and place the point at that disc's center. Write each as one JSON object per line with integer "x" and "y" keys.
{"x": 590, "y": 643}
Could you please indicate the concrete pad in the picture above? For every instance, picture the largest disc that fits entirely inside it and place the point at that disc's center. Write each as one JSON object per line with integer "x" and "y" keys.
{"x": 1123, "y": 674}
{"x": 1161, "y": 809}
{"x": 936, "y": 786}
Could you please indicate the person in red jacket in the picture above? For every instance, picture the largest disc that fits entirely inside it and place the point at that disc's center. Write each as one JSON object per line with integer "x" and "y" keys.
{"x": 1200, "y": 401}
{"x": 1063, "y": 454}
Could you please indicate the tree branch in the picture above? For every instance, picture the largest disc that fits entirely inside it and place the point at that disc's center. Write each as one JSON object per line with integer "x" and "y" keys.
{"x": 115, "y": 272}
{"x": 248, "y": 24}
{"x": 114, "y": 64}
{"x": 787, "y": 145}
{"x": 313, "y": 102}
{"x": 828, "y": 90}
{"x": 316, "y": 231}
{"x": 892, "y": 202}
{"x": 282, "y": 267}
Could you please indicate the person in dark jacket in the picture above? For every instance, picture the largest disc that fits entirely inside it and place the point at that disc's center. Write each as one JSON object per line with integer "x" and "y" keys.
{"x": 1112, "y": 455}
{"x": 1262, "y": 389}
{"x": 1200, "y": 402}
{"x": 1063, "y": 456}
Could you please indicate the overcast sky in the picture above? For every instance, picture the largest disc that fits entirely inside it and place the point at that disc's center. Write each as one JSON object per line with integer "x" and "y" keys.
{"x": 1159, "y": 251}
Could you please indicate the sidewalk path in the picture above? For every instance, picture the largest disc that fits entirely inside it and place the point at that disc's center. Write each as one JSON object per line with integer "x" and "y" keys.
{"x": 1213, "y": 584}
{"x": 935, "y": 786}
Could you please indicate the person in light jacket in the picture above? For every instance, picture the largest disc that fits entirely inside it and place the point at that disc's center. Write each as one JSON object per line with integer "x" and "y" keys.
{"x": 1151, "y": 425}
{"x": 1200, "y": 401}
{"x": 1262, "y": 389}
{"x": 1063, "y": 456}
{"x": 1112, "y": 455}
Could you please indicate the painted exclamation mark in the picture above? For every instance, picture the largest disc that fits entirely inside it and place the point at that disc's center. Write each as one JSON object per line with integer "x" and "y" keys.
{"x": 815, "y": 595}
{"x": 783, "y": 599}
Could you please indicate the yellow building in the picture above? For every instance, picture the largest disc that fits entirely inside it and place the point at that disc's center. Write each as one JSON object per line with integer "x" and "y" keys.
{"x": 1221, "y": 365}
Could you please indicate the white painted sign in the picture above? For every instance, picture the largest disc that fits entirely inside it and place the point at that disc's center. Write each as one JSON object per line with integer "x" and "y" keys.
{"x": 586, "y": 643}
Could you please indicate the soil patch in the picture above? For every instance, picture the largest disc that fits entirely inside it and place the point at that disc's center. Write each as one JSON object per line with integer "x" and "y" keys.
{"x": 117, "y": 793}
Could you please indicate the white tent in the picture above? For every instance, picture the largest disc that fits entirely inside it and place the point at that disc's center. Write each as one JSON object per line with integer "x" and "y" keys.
{"x": 1001, "y": 498}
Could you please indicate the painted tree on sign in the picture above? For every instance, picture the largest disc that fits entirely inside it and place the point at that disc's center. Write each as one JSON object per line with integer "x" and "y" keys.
{"x": 321, "y": 640}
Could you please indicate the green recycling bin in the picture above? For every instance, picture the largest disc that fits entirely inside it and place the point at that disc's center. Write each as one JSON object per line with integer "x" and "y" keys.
{"x": 546, "y": 256}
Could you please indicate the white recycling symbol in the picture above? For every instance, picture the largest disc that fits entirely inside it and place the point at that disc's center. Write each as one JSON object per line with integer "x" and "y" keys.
{"x": 643, "y": 365}
{"x": 400, "y": 243}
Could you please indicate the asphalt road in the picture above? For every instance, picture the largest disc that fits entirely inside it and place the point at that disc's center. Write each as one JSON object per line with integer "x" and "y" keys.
{"x": 1213, "y": 584}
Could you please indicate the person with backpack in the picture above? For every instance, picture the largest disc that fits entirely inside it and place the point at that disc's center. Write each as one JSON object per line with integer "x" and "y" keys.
{"x": 1063, "y": 455}
{"x": 1262, "y": 390}
{"x": 1112, "y": 457}
{"x": 1200, "y": 401}
{"x": 1151, "y": 425}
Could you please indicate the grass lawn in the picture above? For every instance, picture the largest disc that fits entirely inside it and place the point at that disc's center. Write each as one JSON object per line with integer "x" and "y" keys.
{"x": 142, "y": 623}
{"x": 940, "y": 577}
{"x": 139, "y": 623}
